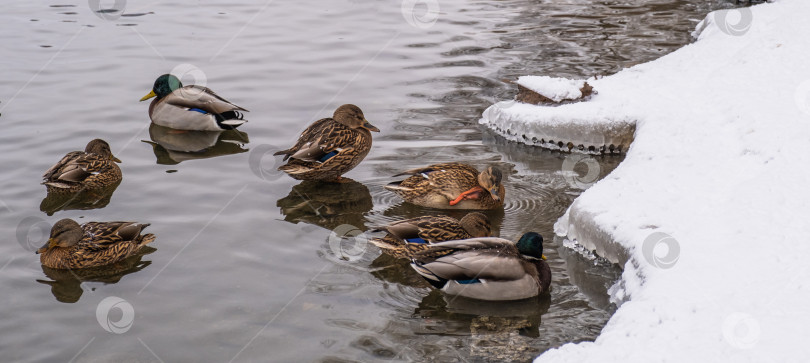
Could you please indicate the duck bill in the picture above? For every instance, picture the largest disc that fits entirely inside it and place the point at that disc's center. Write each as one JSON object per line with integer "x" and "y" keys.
{"x": 543, "y": 257}
{"x": 369, "y": 126}
{"x": 494, "y": 193}
{"x": 149, "y": 95}
{"x": 115, "y": 159}
{"x": 51, "y": 242}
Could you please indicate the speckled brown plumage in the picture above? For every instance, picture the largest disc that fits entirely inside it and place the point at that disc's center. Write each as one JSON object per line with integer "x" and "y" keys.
{"x": 431, "y": 229}
{"x": 72, "y": 246}
{"x": 330, "y": 147}
{"x": 93, "y": 168}
{"x": 442, "y": 186}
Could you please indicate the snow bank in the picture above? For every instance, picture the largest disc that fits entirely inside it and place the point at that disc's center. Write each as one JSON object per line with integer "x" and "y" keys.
{"x": 555, "y": 88}
{"x": 708, "y": 212}
{"x": 583, "y": 126}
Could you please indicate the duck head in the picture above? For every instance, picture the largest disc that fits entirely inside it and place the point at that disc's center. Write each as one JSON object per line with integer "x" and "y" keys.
{"x": 491, "y": 179}
{"x": 64, "y": 233}
{"x": 531, "y": 244}
{"x": 352, "y": 116}
{"x": 164, "y": 85}
{"x": 476, "y": 224}
{"x": 100, "y": 148}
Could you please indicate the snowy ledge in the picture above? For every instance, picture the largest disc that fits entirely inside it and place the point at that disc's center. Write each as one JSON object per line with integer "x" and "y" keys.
{"x": 708, "y": 211}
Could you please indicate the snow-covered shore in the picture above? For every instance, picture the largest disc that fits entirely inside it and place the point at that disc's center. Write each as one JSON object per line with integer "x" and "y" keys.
{"x": 708, "y": 212}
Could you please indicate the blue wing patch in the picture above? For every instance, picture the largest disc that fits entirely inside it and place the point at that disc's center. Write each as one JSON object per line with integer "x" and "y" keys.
{"x": 198, "y": 110}
{"x": 327, "y": 156}
{"x": 465, "y": 282}
{"x": 415, "y": 240}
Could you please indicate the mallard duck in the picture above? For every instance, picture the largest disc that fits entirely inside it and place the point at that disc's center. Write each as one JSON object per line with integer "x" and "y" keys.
{"x": 430, "y": 229}
{"x": 92, "y": 244}
{"x": 451, "y": 186}
{"x": 330, "y": 147}
{"x": 191, "y": 107}
{"x": 487, "y": 268}
{"x": 93, "y": 168}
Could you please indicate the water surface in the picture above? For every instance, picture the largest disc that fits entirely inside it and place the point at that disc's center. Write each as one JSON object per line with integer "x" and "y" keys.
{"x": 242, "y": 269}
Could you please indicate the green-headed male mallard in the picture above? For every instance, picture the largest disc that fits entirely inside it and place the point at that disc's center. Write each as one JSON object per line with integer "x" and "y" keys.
{"x": 191, "y": 107}
{"x": 92, "y": 244}
{"x": 417, "y": 233}
{"x": 330, "y": 147}
{"x": 93, "y": 168}
{"x": 451, "y": 186}
{"x": 488, "y": 268}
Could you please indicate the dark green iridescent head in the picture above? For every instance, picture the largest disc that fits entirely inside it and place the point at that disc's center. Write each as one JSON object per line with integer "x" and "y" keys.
{"x": 164, "y": 85}
{"x": 531, "y": 244}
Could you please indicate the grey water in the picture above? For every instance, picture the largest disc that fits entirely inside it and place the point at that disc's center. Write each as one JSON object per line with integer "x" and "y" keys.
{"x": 249, "y": 265}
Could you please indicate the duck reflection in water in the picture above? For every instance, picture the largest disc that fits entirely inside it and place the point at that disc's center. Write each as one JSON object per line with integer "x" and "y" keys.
{"x": 175, "y": 146}
{"x": 327, "y": 205}
{"x": 499, "y": 331}
{"x": 82, "y": 200}
{"x": 66, "y": 285}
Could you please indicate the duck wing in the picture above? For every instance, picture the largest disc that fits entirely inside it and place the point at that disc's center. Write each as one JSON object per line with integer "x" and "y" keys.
{"x": 202, "y": 98}
{"x": 477, "y": 258}
{"x": 104, "y": 235}
{"x": 430, "y": 229}
{"x": 473, "y": 265}
{"x": 442, "y": 167}
{"x": 320, "y": 141}
{"x": 75, "y": 167}
{"x": 448, "y": 180}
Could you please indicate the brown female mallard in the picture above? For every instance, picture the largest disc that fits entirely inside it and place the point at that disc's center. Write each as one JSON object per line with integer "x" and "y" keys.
{"x": 93, "y": 168}
{"x": 451, "y": 186}
{"x": 92, "y": 244}
{"x": 488, "y": 268}
{"x": 191, "y": 107}
{"x": 416, "y": 233}
{"x": 330, "y": 147}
